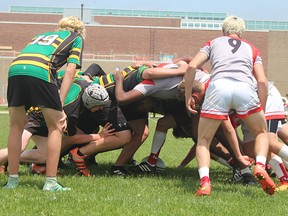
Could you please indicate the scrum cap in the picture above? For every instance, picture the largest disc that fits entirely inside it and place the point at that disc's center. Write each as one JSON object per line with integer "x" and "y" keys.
{"x": 95, "y": 95}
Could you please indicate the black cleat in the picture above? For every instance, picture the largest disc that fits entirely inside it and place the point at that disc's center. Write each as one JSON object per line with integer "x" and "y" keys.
{"x": 249, "y": 180}
{"x": 143, "y": 167}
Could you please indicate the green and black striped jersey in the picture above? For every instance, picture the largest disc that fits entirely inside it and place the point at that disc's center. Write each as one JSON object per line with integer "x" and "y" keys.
{"x": 47, "y": 53}
{"x": 132, "y": 77}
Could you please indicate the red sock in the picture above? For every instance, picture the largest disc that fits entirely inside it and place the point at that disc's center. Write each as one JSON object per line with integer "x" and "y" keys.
{"x": 285, "y": 177}
{"x": 231, "y": 162}
{"x": 152, "y": 159}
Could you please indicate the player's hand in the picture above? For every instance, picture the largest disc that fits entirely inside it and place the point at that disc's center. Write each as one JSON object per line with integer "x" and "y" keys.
{"x": 119, "y": 77}
{"x": 107, "y": 130}
{"x": 182, "y": 67}
{"x": 190, "y": 105}
{"x": 246, "y": 161}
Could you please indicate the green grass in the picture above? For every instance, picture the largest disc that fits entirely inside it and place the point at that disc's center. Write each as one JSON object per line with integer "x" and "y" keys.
{"x": 168, "y": 194}
{"x": 3, "y": 108}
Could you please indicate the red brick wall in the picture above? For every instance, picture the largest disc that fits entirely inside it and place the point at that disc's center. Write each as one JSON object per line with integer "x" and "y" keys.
{"x": 18, "y": 35}
{"x": 130, "y": 40}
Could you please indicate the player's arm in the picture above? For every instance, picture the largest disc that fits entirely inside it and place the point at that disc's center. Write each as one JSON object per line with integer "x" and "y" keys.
{"x": 262, "y": 84}
{"x": 199, "y": 59}
{"x": 233, "y": 141}
{"x": 80, "y": 137}
{"x": 158, "y": 73}
{"x": 189, "y": 157}
{"x": 123, "y": 97}
{"x": 67, "y": 81}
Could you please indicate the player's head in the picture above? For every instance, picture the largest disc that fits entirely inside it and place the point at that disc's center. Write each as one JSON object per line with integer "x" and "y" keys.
{"x": 95, "y": 95}
{"x": 73, "y": 24}
{"x": 233, "y": 25}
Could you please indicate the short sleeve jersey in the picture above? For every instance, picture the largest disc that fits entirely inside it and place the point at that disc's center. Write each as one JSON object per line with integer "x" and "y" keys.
{"x": 47, "y": 53}
{"x": 131, "y": 78}
{"x": 165, "y": 88}
{"x": 232, "y": 57}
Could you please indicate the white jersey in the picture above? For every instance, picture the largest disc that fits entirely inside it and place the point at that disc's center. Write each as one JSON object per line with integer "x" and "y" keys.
{"x": 202, "y": 76}
{"x": 166, "y": 88}
{"x": 274, "y": 105}
{"x": 232, "y": 58}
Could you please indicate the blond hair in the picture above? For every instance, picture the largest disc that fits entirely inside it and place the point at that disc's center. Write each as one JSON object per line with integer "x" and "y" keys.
{"x": 197, "y": 87}
{"x": 233, "y": 25}
{"x": 180, "y": 95}
{"x": 73, "y": 24}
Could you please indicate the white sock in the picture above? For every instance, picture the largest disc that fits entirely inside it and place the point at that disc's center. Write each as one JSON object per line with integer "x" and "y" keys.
{"x": 14, "y": 176}
{"x": 158, "y": 141}
{"x": 203, "y": 171}
{"x": 274, "y": 162}
{"x": 51, "y": 179}
{"x": 283, "y": 153}
{"x": 261, "y": 159}
{"x": 245, "y": 170}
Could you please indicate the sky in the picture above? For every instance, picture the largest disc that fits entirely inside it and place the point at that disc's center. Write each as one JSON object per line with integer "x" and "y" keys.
{"x": 246, "y": 9}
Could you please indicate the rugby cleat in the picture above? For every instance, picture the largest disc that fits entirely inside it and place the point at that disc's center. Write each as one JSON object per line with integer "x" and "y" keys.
{"x": 282, "y": 186}
{"x": 55, "y": 187}
{"x": 79, "y": 162}
{"x": 249, "y": 180}
{"x": 237, "y": 176}
{"x": 12, "y": 183}
{"x": 143, "y": 167}
{"x": 262, "y": 176}
{"x": 204, "y": 188}
{"x": 38, "y": 169}
{"x": 119, "y": 171}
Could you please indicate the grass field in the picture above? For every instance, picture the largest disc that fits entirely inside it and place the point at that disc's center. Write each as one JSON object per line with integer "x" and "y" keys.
{"x": 170, "y": 193}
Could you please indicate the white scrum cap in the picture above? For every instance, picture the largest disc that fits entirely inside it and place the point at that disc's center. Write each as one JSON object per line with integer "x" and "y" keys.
{"x": 95, "y": 95}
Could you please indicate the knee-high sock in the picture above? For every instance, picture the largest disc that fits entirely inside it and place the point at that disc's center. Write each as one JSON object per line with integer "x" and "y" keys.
{"x": 279, "y": 168}
{"x": 157, "y": 143}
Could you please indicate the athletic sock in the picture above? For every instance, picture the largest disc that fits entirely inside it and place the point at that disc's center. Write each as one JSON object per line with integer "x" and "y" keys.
{"x": 51, "y": 180}
{"x": 245, "y": 170}
{"x": 283, "y": 153}
{"x": 232, "y": 162}
{"x": 152, "y": 159}
{"x": 203, "y": 172}
{"x": 261, "y": 160}
{"x": 279, "y": 168}
{"x": 158, "y": 141}
{"x": 50, "y": 183}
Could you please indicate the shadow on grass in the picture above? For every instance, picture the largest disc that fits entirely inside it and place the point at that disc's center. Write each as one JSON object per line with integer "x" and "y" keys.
{"x": 186, "y": 178}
